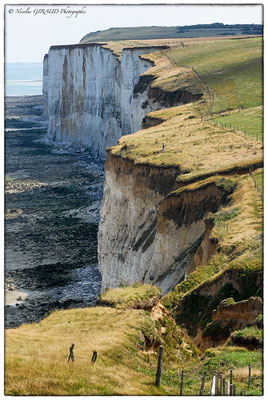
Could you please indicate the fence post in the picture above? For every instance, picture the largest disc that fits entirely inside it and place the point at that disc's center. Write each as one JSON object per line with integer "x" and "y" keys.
{"x": 220, "y": 379}
{"x": 227, "y": 388}
{"x": 159, "y": 366}
{"x": 223, "y": 386}
{"x": 181, "y": 390}
{"x": 231, "y": 377}
{"x": 234, "y": 390}
{"x": 202, "y": 384}
{"x": 231, "y": 389}
{"x": 212, "y": 387}
{"x": 216, "y": 384}
{"x": 249, "y": 375}
{"x": 71, "y": 355}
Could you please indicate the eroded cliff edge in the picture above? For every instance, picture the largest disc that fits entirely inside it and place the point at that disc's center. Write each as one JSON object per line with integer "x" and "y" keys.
{"x": 148, "y": 234}
{"x": 153, "y": 226}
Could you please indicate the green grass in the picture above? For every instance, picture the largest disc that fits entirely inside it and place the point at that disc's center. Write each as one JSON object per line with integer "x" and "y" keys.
{"x": 239, "y": 280}
{"x": 258, "y": 175}
{"x": 186, "y": 147}
{"x": 249, "y": 333}
{"x": 198, "y": 276}
{"x": 231, "y": 68}
{"x": 127, "y": 343}
{"x": 249, "y": 121}
{"x": 221, "y": 360}
{"x": 164, "y": 32}
{"x": 135, "y": 296}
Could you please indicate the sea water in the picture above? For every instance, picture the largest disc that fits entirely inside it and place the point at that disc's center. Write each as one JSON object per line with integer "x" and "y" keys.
{"x": 22, "y": 79}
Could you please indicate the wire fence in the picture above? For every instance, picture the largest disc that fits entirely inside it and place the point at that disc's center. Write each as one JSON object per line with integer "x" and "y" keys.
{"x": 197, "y": 76}
{"x": 217, "y": 385}
{"x": 257, "y": 187}
{"x": 232, "y": 128}
{"x": 208, "y": 89}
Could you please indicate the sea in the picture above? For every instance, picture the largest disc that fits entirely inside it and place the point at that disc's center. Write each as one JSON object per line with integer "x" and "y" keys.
{"x": 23, "y": 79}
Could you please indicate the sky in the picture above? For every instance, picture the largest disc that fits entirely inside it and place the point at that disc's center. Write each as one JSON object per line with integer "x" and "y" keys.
{"x": 31, "y": 30}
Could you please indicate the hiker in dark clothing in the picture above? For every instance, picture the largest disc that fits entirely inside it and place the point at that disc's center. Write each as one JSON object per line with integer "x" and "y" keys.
{"x": 163, "y": 147}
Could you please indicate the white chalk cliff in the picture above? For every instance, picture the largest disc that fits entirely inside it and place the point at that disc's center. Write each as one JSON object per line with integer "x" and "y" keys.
{"x": 90, "y": 97}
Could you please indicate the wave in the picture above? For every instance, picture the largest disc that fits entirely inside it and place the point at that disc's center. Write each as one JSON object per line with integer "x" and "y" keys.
{"x": 24, "y": 80}
{"x": 25, "y": 129}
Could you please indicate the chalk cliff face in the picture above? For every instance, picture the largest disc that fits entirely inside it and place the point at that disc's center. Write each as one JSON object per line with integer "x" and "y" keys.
{"x": 45, "y": 85}
{"x": 90, "y": 96}
{"x": 147, "y": 234}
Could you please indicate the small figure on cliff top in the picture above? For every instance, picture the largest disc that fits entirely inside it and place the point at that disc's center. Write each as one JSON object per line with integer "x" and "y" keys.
{"x": 163, "y": 148}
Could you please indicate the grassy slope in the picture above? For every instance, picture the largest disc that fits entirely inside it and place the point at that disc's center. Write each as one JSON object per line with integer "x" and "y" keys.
{"x": 186, "y": 140}
{"x": 238, "y": 229}
{"x": 157, "y": 32}
{"x": 232, "y": 69}
{"x": 36, "y": 356}
{"x": 135, "y": 296}
{"x": 249, "y": 120}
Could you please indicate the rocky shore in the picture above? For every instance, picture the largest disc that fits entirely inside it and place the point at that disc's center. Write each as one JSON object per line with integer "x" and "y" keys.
{"x": 52, "y": 201}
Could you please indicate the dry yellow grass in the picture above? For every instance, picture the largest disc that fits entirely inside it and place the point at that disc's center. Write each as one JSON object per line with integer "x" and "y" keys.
{"x": 196, "y": 146}
{"x": 177, "y": 42}
{"x": 241, "y": 374}
{"x": 135, "y": 296}
{"x": 171, "y": 77}
{"x": 36, "y": 354}
{"x": 241, "y": 235}
{"x": 117, "y": 46}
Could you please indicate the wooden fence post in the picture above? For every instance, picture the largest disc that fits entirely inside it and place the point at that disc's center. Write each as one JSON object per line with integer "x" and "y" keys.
{"x": 249, "y": 375}
{"x": 94, "y": 357}
{"x": 202, "y": 384}
{"x": 231, "y": 389}
{"x": 231, "y": 377}
{"x": 227, "y": 388}
{"x": 181, "y": 390}
{"x": 216, "y": 384}
{"x": 220, "y": 381}
{"x": 159, "y": 366}
{"x": 234, "y": 390}
{"x": 71, "y": 355}
{"x": 223, "y": 386}
{"x": 212, "y": 387}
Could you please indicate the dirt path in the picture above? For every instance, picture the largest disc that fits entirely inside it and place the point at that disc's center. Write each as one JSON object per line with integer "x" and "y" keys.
{"x": 52, "y": 208}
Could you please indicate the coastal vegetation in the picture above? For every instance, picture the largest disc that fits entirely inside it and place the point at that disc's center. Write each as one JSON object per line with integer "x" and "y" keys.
{"x": 126, "y": 341}
{"x": 126, "y": 328}
{"x": 165, "y": 32}
{"x": 186, "y": 146}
